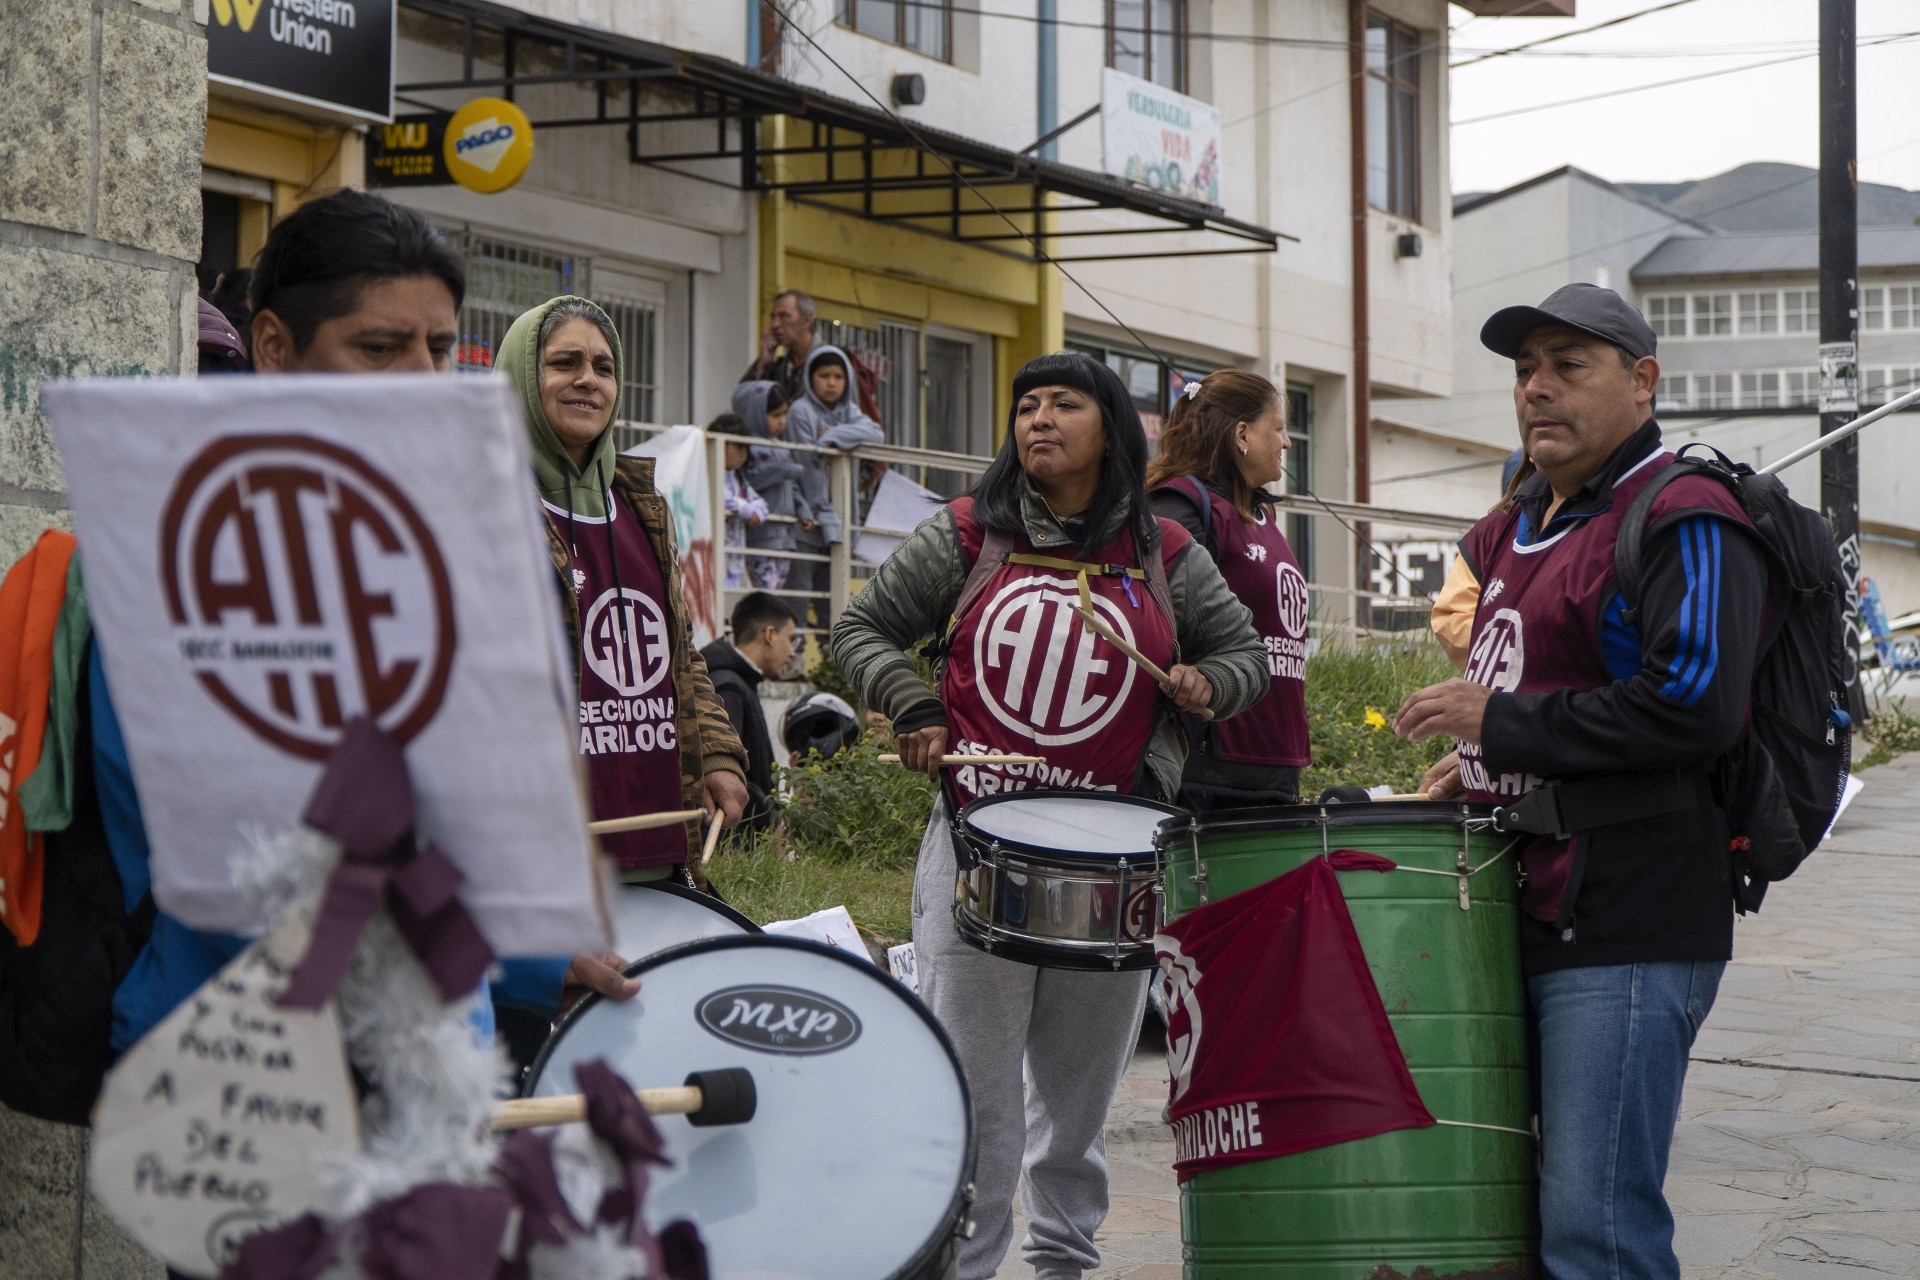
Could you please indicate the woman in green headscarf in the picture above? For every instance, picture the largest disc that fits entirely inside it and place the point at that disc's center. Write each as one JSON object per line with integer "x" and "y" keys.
{"x": 652, "y": 731}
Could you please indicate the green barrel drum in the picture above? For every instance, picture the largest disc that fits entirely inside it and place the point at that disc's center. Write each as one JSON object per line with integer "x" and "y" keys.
{"x": 1444, "y": 1201}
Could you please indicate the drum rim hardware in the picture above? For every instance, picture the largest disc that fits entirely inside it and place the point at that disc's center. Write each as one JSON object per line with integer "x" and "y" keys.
{"x": 958, "y": 1215}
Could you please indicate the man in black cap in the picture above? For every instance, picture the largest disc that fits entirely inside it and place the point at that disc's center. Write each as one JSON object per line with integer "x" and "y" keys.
{"x": 1600, "y": 728}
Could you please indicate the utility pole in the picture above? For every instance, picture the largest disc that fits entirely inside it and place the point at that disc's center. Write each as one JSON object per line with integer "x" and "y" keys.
{"x": 1839, "y": 304}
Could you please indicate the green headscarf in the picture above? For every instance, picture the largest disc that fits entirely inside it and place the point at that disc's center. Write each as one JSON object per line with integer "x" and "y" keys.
{"x": 581, "y": 489}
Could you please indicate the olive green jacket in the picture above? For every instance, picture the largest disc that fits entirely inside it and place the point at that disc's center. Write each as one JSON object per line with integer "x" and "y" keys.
{"x": 707, "y": 738}
{"x": 913, "y": 595}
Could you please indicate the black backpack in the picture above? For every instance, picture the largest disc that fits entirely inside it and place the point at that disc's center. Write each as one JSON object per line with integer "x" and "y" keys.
{"x": 1784, "y": 781}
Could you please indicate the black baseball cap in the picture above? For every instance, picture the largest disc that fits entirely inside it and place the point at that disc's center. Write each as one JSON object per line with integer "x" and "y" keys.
{"x": 1586, "y": 307}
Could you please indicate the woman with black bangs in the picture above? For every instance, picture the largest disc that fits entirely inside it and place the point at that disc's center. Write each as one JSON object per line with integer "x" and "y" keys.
{"x": 1062, "y": 505}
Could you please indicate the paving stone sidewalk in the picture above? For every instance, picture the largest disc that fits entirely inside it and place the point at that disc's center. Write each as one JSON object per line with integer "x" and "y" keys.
{"x": 1798, "y": 1153}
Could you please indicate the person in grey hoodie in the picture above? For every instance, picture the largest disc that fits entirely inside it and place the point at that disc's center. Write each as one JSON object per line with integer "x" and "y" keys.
{"x": 1062, "y": 501}
{"x": 827, "y": 413}
{"x": 775, "y": 475}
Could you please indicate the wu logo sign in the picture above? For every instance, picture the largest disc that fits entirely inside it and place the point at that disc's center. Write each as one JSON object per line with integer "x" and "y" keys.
{"x": 225, "y": 11}
{"x": 305, "y": 590}
{"x": 1037, "y": 669}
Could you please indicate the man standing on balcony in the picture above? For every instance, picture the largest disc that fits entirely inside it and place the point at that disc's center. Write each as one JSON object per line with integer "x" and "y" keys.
{"x": 786, "y": 344}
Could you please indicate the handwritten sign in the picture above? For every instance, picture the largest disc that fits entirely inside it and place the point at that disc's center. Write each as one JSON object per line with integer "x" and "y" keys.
{"x": 1160, "y": 139}
{"x": 208, "y": 1130}
{"x": 269, "y": 558}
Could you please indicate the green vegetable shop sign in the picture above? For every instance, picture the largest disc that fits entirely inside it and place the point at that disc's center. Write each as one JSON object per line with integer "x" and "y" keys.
{"x": 1159, "y": 139}
{"x": 333, "y": 54}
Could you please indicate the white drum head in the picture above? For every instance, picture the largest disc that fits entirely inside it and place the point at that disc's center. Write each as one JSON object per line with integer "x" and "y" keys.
{"x": 1096, "y": 825}
{"x": 856, "y": 1162}
{"x": 650, "y": 918}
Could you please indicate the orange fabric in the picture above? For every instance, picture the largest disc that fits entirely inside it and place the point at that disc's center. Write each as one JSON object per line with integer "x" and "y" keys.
{"x": 30, "y": 600}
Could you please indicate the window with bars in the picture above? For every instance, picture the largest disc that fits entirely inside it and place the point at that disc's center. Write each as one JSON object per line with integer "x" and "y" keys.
{"x": 1148, "y": 38}
{"x": 1393, "y": 117}
{"x": 504, "y": 279}
{"x": 638, "y": 324}
{"x": 924, "y": 26}
{"x": 1712, "y": 314}
{"x": 1760, "y": 312}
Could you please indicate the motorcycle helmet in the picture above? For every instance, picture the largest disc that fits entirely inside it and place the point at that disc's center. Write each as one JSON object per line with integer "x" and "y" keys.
{"x": 820, "y": 722}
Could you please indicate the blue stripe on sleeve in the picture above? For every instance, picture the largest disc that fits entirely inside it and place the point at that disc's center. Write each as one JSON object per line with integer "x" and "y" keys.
{"x": 1697, "y": 653}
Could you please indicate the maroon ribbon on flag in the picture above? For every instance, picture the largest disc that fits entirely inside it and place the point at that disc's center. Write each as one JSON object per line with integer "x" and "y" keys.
{"x": 299, "y": 1250}
{"x": 439, "y": 1231}
{"x": 364, "y": 800}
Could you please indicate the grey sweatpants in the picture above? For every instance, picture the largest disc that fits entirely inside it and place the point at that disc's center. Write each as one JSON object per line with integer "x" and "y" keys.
{"x": 1075, "y": 1033}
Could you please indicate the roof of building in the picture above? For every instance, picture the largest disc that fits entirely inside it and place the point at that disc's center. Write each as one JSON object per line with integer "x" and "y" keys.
{"x": 1466, "y": 203}
{"x": 1770, "y": 196}
{"x": 1754, "y": 252}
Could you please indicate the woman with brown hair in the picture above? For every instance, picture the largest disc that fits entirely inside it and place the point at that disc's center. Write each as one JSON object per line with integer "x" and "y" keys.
{"x": 1224, "y": 443}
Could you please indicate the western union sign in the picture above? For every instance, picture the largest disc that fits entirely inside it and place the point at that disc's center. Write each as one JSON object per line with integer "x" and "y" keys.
{"x": 332, "y": 54}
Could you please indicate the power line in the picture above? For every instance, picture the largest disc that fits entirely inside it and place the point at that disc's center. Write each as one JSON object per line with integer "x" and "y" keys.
{"x": 1568, "y": 35}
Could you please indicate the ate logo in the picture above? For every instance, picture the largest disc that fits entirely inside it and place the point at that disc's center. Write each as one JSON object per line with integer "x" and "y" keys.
{"x": 624, "y": 641}
{"x": 1293, "y": 601}
{"x": 305, "y": 590}
{"x": 1039, "y": 674}
{"x": 1178, "y": 979}
{"x": 1499, "y": 654}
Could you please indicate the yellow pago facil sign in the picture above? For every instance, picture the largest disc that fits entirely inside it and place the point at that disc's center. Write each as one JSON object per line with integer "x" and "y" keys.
{"x": 489, "y": 144}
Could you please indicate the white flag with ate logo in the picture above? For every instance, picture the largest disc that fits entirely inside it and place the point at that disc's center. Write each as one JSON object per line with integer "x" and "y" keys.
{"x": 269, "y": 558}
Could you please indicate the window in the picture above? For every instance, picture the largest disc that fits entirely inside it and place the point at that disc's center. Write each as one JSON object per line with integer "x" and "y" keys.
{"x": 1900, "y": 381}
{"x": 505, "y": 278}
{"x": 924, "y": 26}
{"x": 1713, "y": 391}
{"x": 1152, "y": 384}
{"x": 1671, "y": 392}
{"x": 1873, "y": 308}
{"x": 1667, "y": 314}
{"x": 1760, "y": 312}
{"x": 1299, "y": 466}
{"x": 1148, "y": 38}
{"x": 638, "y": 324}
{"x": 1760, "y": 390}
{"x": 1712, "y": 314}
{"x": 1803, "y": 386}
{"x": 1393, "y": 117}
{"x": 1903, "y": 306}
{"x": 1873, "y": 390}
{"x": 1801, "y": 310}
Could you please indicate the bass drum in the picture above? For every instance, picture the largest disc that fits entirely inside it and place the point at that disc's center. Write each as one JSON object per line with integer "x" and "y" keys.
{"x": 656, "y": 915}
{"x": 858, "y": 1162}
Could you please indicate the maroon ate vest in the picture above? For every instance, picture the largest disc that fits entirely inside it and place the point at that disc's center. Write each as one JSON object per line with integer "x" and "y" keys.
{"x": 626, "y": 682}
{"x": 1537, "y": 628}
{"x": 1024, "y": 676}
{"x": 1259, "y": 567}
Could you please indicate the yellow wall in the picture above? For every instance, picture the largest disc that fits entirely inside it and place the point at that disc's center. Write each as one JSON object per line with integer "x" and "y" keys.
{"x": 302, "y": 159}
{"x": 860, "y": 271}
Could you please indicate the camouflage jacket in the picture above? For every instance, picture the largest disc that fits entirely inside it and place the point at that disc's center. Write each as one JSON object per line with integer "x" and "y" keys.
{"x": 707, "y": 738}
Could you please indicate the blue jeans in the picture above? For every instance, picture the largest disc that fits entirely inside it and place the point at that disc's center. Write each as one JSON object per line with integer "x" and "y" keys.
{"x": 1613, "y": 1043}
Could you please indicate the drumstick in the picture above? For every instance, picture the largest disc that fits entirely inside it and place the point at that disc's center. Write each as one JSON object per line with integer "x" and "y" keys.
{"x": 571, "y": 1108}
{"x": 1411, "y": 795}
{"x": 894, "y": 758}
{"x": 713, "y": 837}
{"x": 1098, "y": 625}
{"x": 725, "y": 1096}
{"x": 644, "y": 821}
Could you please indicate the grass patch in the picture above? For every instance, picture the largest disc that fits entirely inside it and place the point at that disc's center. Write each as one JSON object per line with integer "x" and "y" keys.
{"x": 762, "y": 884}
{"x": 1888, "y": 732}
{"x": 1352, "y": 692}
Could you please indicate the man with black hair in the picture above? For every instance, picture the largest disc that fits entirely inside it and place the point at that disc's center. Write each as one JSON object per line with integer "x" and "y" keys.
{"x": 1602, "y": 730}
{"x": 762, "y": 645}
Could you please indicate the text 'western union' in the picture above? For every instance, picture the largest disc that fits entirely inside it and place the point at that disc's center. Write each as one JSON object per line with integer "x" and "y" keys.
{"x": 290, "y": 25}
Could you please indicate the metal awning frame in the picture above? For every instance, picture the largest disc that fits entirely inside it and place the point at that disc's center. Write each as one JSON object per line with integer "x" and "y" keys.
{"x": 963, "y": 170}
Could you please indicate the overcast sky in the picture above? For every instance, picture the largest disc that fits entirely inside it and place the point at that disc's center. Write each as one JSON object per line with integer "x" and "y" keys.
{"x": 1688, "y": 130}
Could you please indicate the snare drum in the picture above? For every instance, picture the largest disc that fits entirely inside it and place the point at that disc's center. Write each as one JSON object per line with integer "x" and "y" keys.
{"x": 858, "y": 1161}
{"x": 1060, "y": 879}
{"x": 658, "y": 914}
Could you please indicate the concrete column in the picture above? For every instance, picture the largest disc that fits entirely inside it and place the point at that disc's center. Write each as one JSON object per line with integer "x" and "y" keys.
{"x": 100, "y": 151}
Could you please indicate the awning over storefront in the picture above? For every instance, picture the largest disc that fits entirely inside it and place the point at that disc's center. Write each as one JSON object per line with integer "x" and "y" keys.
{"x": 824, "y": 150}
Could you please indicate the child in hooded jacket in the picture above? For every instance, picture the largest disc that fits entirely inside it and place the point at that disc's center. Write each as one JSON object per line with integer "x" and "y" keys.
{"x": 774, "y": 475}
{"x": 745, "y": 507}
{"x": 827, "y": 413}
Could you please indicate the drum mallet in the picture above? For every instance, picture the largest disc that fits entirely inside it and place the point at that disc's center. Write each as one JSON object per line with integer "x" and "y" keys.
{"x": 643, "y": 821}
{"x": 1098, "y": 625}
{"x": 726, "y": 1096}
{"x": 894, "y": 758}
{"x": 713, "y": 838}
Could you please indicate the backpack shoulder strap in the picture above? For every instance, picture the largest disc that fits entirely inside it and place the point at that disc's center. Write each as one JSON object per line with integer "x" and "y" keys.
{"x": 1196, "y": 489}
{"x": 1630, "y": 545}
{"x": 995, "y": 547}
